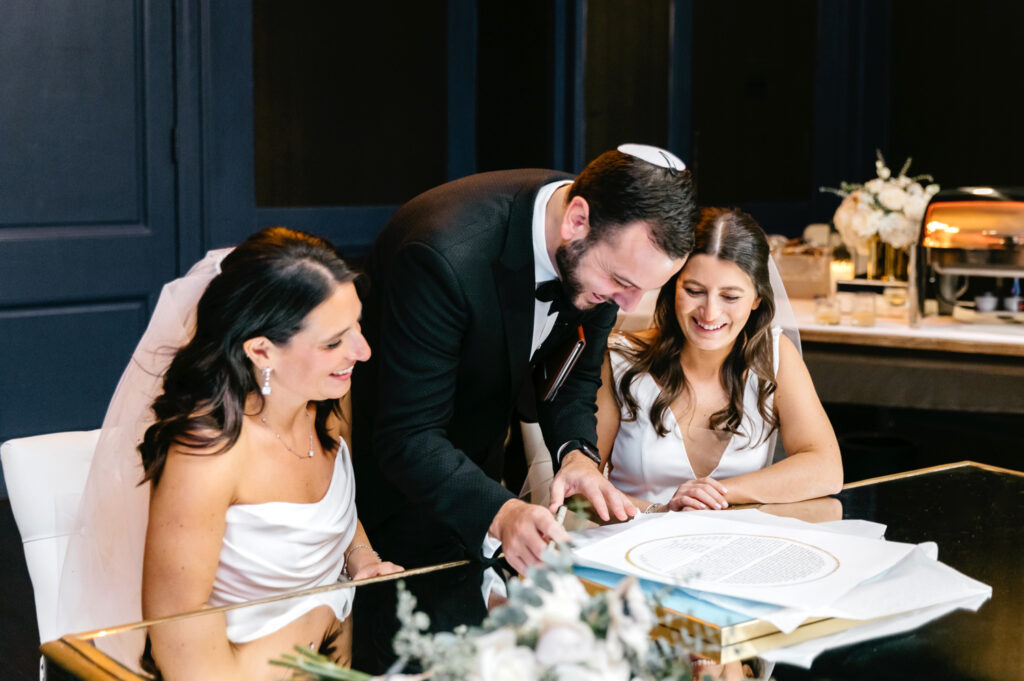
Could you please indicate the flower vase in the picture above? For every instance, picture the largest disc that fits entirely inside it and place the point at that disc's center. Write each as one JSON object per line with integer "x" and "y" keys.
{"x": 886, "y": 262}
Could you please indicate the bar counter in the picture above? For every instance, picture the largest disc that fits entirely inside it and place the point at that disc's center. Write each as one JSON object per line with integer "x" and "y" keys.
{"x": 936, "y": 333}
{"x": 943, "y": 364}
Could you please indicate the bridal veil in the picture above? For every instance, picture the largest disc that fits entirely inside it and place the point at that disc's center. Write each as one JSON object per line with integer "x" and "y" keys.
{"x": 101, "y": 580}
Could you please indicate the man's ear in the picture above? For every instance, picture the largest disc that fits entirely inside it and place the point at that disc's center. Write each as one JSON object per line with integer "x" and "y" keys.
{"x": 576, "y": 220}
{"x": 258, "y": 350}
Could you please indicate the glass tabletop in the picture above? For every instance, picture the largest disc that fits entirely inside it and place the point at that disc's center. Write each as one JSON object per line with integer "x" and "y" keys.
{"x": 972, "y": 512}
{"x": 975, "y": 514}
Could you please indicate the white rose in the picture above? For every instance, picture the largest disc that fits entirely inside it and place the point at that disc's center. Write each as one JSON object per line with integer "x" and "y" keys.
{"x": 631, "y": 636}
{"x": 499, "y": 639}
{"x": 914, "y": 207}
{"x": 613, "y": 666}
{"x": 844, "y": 215}
{"x": 498, "y": 658}
{"x": 599, "y": 668}
{"x": 639, "y": 608}
{"x": 874, "y": 186}
{"x": 560, "y": 606}
{"x": 903, "y": 181}
{"x": 892, "y": 198}
{"x": 864, "y": 222}
{"x": 632, "y": 631}
{"x": 915, "y": 189}
{"x": 566, "y": 644}
{"x": 895, "y": 229}
{"x": 579, "y": 672}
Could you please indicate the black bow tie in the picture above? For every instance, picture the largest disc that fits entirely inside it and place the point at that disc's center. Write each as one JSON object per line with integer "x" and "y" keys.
{"x": 552, "y": 292}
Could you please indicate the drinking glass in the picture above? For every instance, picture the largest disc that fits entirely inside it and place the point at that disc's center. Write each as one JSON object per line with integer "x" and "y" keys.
{"x": 864, "y": 309}
{"x": 826, "y": 311}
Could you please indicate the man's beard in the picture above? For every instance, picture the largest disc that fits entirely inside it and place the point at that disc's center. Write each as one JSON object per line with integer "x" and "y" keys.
{"x": 567, "y": 258}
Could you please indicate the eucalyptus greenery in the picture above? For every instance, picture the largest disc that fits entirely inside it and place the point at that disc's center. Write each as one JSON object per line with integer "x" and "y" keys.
{"x": 550, "y": 629}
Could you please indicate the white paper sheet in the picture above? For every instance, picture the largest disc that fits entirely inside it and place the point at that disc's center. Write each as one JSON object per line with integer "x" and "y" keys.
{"x": 803, "y": 654}
{"x": 918, "y": 581}
{"x": 852, "y": 526}
{"x": 786, "y": 562}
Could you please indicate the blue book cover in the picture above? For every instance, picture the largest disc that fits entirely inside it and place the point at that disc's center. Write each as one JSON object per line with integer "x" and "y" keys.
{"x": 677, "y": 600}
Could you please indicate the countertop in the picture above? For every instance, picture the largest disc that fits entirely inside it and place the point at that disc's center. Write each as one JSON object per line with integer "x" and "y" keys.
{"x": 939, "y": 333}
{"x": 935, "y": 333}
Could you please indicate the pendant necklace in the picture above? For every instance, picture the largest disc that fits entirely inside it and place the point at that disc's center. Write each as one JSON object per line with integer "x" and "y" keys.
{"x": 278, "y": 436}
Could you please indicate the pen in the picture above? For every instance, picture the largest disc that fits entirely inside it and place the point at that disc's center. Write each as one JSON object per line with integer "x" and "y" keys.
{"x": 560, "y": 519}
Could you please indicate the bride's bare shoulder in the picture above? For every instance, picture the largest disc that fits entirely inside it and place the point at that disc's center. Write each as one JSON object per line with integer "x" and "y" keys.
{"x": 204, "y": 463}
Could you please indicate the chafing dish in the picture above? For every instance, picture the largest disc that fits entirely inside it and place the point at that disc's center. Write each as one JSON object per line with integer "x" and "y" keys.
{"x": 967, "y": 232}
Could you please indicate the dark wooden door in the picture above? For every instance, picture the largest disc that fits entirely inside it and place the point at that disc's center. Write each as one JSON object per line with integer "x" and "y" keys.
{"x": 87, "y": 200}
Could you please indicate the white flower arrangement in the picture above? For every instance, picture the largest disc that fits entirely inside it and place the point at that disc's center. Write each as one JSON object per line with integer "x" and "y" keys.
{"x": 550, "y": 629}
{"x": 890, "y": 206}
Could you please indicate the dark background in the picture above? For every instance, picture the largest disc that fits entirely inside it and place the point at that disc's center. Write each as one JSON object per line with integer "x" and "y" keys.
{"x": 136, "y": 135}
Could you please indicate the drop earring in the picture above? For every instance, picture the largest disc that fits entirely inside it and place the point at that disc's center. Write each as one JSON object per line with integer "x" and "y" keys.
{"x": 265, "y": 388}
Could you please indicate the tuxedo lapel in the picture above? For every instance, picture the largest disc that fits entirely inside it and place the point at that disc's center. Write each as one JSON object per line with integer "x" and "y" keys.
{"x": 513, "y": 274}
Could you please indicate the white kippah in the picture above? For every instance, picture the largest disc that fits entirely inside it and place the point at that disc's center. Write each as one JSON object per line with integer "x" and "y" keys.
{"x": 654, "y": 155}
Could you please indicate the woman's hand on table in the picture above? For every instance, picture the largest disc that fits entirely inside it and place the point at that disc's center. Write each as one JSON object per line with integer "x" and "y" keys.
{"x": 362, "y": 562}
{"x": 699, "y": 495}
{"x": 376, "y": 569}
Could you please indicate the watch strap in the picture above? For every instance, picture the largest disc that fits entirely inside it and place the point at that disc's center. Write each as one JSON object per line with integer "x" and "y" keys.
{"x": 589, "y": 449}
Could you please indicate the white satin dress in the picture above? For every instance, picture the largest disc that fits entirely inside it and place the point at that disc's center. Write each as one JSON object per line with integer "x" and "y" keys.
{"x": 650, "y": 467}
{"x": 279, "y": 547}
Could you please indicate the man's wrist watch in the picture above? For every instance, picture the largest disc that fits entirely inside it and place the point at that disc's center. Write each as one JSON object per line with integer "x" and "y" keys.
{"x": 588, "y": 448}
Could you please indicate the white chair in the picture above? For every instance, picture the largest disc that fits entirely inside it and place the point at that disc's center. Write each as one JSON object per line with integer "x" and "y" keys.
{"x": 45, "y": 476}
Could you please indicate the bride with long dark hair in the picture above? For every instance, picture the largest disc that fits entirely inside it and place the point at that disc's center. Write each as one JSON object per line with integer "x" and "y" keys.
{"x": 245, "y": 458}
{"x": 689, "y": 411}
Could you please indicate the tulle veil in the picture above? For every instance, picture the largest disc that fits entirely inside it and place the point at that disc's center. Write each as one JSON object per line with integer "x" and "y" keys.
{"x": 101, "y": 579}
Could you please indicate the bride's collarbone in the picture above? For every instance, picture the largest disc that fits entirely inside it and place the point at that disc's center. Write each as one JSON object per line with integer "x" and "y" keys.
{"x": 270, "y": 473}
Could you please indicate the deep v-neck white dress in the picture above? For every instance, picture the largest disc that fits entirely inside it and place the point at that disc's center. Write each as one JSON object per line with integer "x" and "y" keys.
{"x": 650, "y": 467}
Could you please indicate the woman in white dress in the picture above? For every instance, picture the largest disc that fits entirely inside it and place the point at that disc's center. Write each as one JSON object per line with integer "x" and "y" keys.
{"x": 688, "y": 410}
{"x": 251, "y": 491}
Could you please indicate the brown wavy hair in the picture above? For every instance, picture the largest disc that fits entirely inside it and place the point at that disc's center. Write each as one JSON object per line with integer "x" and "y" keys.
{"x": 734, "y": 236}
{"x": 266, "y": 287}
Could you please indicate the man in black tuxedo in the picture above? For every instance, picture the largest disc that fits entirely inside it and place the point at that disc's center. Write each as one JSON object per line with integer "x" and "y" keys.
{"x": 454, "y": 322}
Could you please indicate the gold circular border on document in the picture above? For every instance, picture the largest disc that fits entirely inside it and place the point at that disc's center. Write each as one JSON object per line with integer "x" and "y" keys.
{"x": 816, "y": 549}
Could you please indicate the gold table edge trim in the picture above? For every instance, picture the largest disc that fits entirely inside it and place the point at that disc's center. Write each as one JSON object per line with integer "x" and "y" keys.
{"x": 75, "y": 653}
{"x": 930, "y": 469}
{"x": 78, "y": 657}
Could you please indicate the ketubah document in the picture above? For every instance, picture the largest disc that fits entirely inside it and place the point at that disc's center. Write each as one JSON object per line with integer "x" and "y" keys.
{"x": 786, "y": 565}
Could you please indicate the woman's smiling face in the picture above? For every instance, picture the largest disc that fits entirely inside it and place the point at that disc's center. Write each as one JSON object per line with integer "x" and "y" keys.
{"x": 714, "y": 299}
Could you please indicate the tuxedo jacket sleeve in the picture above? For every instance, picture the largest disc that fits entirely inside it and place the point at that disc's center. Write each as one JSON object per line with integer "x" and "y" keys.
{"x": 424, "y": 320}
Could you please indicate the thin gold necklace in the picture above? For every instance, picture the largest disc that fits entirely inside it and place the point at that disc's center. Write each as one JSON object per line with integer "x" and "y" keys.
{"x": 278, "y": 436}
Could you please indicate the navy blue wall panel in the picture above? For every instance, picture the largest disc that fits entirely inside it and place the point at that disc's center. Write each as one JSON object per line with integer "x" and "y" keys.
{"x": 88, "y": 229}
{"x": 45, "y": 351}
{"x": 77, "y": 79}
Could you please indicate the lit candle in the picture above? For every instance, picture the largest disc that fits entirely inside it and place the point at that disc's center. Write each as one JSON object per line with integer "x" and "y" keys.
{"x": 842, "y": 270}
